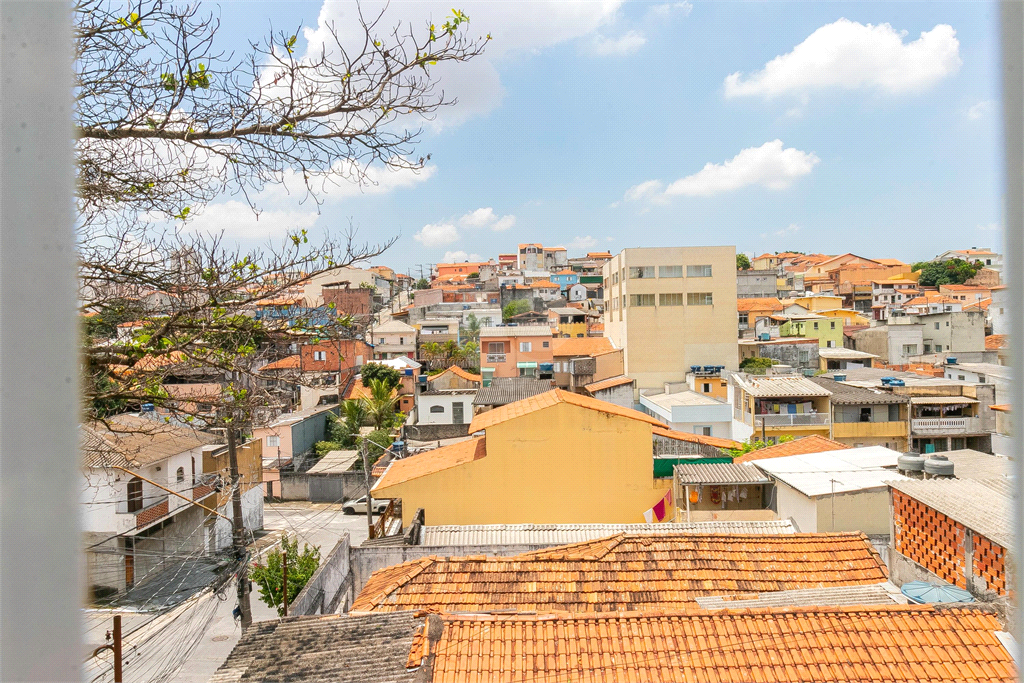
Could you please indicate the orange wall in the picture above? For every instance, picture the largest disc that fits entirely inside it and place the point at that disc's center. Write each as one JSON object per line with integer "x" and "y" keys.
{"x": 538, "y": 354}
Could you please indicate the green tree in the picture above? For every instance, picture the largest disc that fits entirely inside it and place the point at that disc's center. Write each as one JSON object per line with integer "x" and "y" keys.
{"x": 422, "y": 283}
{"x": 756, "y": 363}
{"x": 755, "y": 445}
{"x": 346, "y": 428}
{"x": 472, "y": 329}
{"x": 377, "y": 443}
{"x": 269, "y": 576}
{"x": 742, "y": 262}
{"x": 380, "y": 404}
{"x": 515, "y": 307}
{"x": 385, "y": 373}
{"x": 952, "y": 272}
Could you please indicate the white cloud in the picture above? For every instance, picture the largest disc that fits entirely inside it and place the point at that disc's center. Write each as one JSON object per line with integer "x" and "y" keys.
{"x": 582, "y": 243}
{"x": 437, "y": 234}
{"x": 460, "y": 256}
{"x": 769, "y": 165}
{"x": 991, "y": 227}
{"x": 787, "y": 231}
{"x": 486, "y": 218}
{"x": 850, "y": 55}
{"x": 517, "y": 28}
{"x": 609, "y": 239}
{"x": 667, "y": 9}
{"x": 981, "y": 109}
{"x": 238, "y": 221}
{"x": 617, "y": 47}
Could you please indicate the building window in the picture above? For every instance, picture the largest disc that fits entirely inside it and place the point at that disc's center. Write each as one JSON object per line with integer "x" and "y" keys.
{"x": 545, "y": 344}
{"x": 134, "y": 494}
{"x": 936, "y": 326}
{"x": 815, "y": 325}
{"x": 495, "y": 347}
{"x": 179, "y": 476}
{"x": 638, "y": 272}
{"x": 698, "y": 271}
{"x": 641, "y": 299}
{"x": 938, "y": 348}
{"x": 674, "y": 299}
{"x": 744, "y": 318}
{"x": 707, "y": 387}
{"x": 381, "y": 340}
{"x": 437, "y": 409}
{"x": 525, "y": 347}
{"x": 833, "y": 325}
{"x": 670, "y": 271}
{"x": 704, "y": 430}
{"x": 699, "y": 299}
{"x": 894, "y": 412}
{"x": 805, "y": 356}
{"x": 401, "y": 341}
{"x": 320, "y": 355}
{"x": 947, "y": 323}
{"x": 927, "y": 348}
{"x": 274, "y": 441}
{"x": 909, "y": 349}
{"x": 830, "y": 344}
{"x": 615, "y": 278}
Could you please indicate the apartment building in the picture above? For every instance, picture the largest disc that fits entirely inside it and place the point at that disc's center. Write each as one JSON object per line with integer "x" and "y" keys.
{"x": 516, "y": 351}
{"x": 671, "y": 308}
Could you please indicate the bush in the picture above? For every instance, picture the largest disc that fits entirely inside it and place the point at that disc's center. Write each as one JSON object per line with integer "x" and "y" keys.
{"x": 515, "y": 307}
{"x": 322, "y": 448}
{"x": 377, "y": 442}
{"x": 755, "y": 363}
{"x": 388, "y": 374}
{"x": 269, "y": 576}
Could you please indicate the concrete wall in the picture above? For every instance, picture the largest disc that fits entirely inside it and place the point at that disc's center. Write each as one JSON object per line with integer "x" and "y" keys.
{"x": 866, "y": 511}
{"x": 791, "y": 504}
{"x": 326, "y": 592}
{"x": 252, "y": 517}
{"x": 293, "y": 487}
{"x": 621, "y": 395}
{"x": 336, "y": 488}
{"x": 435, "y": 432}
{"x": 446, "y": 403}
{"x": 751, "y": 284}
{"x": 958, "y": 332}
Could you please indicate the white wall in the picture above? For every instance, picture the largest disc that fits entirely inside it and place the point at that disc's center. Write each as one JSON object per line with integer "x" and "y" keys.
{"x": 722, "y": 430}
{"x": 796, "y": 506}
{"x": 252, "y": 517}
{"x": 424, "y": 402}
{"x": 999, "y": 311}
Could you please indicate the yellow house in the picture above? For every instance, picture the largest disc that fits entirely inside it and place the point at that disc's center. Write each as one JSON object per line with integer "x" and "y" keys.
{"x": 819, "y": 304}
{"x": 570, "y": 322}
{"x": 556, "y": 458}
{"x": 849, "y": 317}
{"x": 786, "y": 405}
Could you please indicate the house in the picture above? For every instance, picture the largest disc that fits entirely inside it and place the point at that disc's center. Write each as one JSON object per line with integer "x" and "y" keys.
{"x": 968, "y": 294}
{"x": 327, "y": 367}
{"x": 556, "y": 457}
{"x": 501, "y": 391}
{"x": 847, "y": 316}
{"x": 579, "y": 362}
{"x": 930, "y": 303}
{"x": 444, "y": 405}
{"x": 998, "y": 310}
{"x": 565, "y": 278}
{"x": 756, "y": 283}
{"x": 986, "y": 257}
{"x": 867, "y": 416}
{"x": 722, "y": 490}
{"x": 842, "y": 358}
{"x": 688, "y": 294}
{"x": 393, "y": 338}
{"x": 346, "y": 300}
{"x": 582, "y": 292}
{"x": 955, "y": 531}
{"x": 545, "y": 290}
{"x": 613, "y": 574}
{"x": 516, "y": 351}
{"x": 131, "y": 464}
{"x": 819, "y": 303}
{"x": 1000, "y": 376}
{"x": 899, "y": 343}
{"x": 750, "y": 311}
{"x": 963, "y": 644}
{"x": 690, "y": 411}
{"x": 836, "y": 490}
{"x": 290, "y": 438}
{"x": 800, "y": 354}
{"x": 807, "y": 444}
{"x": 828, "y": 331}
{"x": 1002, "y": 436}
{"x": 570, "y": 322}
{"x": 465, "y": 269}
{"x": 618, "y": 390}
{"x": 779, "y": 406}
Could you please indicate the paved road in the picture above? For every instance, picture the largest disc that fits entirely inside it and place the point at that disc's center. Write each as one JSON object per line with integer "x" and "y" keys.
{"x": 315, "y": 523}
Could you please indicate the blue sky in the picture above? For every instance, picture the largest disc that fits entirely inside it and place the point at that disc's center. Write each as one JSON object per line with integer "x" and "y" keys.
{"x": 588, "y": 125}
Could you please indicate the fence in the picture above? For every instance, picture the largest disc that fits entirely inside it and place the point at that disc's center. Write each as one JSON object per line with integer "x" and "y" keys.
{"x": 327, "y": 590}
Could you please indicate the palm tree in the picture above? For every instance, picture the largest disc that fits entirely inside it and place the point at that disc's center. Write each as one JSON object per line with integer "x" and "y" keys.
{"x": 380, "y": 404}
{"x": 430, "y": 351}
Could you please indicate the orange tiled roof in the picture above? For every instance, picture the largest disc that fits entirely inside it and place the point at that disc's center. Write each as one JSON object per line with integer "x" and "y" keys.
{"x": 773, "y": 645}
{"x": 965, "y": 288}
{"x": 439, "y": 459}
{"x": 459, "y": 372}
{"x": 608, "y": 383}
{"x": 596, "y": 327}
{"x": 511, "y": 411}
{"x": 357, "y": 390}
{"x": 994, "y": 342}
{"x": 808, "y": 444}
{"x": 567, "y": 271}
{"x": 763, "y": 304}
{"x": 581, "y": 346}
{"x": 625, "y": 572}
{"x": 715, "y": 441}
{"x": 286, "y": 363}
{"x": 544, "y": 284}
{"x": 931, "y": 299}
{"x": 1001, "y": 408}
{"x": 982, "y": 305}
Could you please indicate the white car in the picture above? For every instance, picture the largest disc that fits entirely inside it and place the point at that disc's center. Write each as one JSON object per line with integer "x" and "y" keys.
{"x": 351, "y": 507}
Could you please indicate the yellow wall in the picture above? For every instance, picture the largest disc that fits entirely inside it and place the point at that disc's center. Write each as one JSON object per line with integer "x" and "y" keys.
{"x": 849, "y": 317}
{"x": 559, "y": 465}
{"x": 818, "y": 304}
{"x": 573, "y": 330}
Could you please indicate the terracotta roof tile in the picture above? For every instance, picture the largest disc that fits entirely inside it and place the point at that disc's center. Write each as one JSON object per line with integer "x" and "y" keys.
{"x": 551, "y": 398}
{"x": 544, "y": 284}
{"x": 625, "y": 572}
{"x": 581, "y": 346}
{"x": 931, "y": 298}
{"x": 695, "y": 438}
{"x": 982, "y": 305}
{"x": 430, "y": 462}
{"x": 762, "y": 304}
{"x": 994, "y": 342}
{"x": 286, "y": 363}
{"x": 857, "y": 644}
{"x": 458, "y": 372}
{"x": 608, "y": 383}
{"x": 808, "y": 444}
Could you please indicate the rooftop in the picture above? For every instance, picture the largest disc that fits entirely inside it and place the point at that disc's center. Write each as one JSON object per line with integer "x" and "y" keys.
{"x": 758, "y": 304}
{"x": 286, "y": 363}
{"x": 431, "y": 462}
{"x": 132, "y": 440}
{"x": 994, "y": 342}
{"x": 842, "y": 471}
{"x": 959, "y": 499}
{"x": 840, "y": 353}
{"x": 516, "y": 331}
{"x": 849, "y": 394}
{"x": 722, "y": 473}
{"x": 877, "y": 594}
{"x": 334, "y": 462}
{"x": 609, "y": 383}
{"x": 505, "y": 390}
{"x": 581, "y": 346}
{"x": 779, "y": 387}
{"x": 615, "y": 573}
{"x": 808, "y": 444}
{"x": 458, "y": 372}
{"x": 548, "y": 399}
{"x": 715, "y": 441}
{"x": 560, "y": 534}
{"x": 392, "y": 326}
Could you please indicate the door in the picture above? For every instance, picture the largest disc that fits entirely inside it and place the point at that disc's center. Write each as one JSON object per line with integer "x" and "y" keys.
{"x": 457, "y": 414}
{"x": 129, "y": 562}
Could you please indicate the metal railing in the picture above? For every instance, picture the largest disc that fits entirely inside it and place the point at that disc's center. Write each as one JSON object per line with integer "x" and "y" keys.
{"x": 386, "y": 520}
{"x": 496, "y": 358}
{"x": 787, "y": 420}
{"x": 945, "y": 425}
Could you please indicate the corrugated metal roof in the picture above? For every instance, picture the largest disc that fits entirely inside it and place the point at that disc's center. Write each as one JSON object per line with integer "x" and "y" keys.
{"x": 516, "y": 331}
{"x": 971, "y": 464}
{"x": 844, "y": 354}
{"x": 880, "y": 594}
{"x": 765, "y": 387}
{"x": 849, "y": 394}
{"x": 720, "y": 473}
{"x": 561, "y": 534}
{"x": 982, "y": 506}
{"x": 842, "y": 471}
{"x": 334, "y": 462}
{"x": 942, "y": 400}
{"x": 505, "y": 390}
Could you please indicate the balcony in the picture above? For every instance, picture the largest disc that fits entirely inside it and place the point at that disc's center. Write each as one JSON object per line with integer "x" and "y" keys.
{"x": 496, "y": 358}
{"x": 944, "y": 426}
{"x": 156, "y": 508}
{"x": 806, "y": 420}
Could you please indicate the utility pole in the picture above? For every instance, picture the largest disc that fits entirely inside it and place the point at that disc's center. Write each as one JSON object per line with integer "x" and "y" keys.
{"x": 369, "y": 500}
{"x": 238, "y": 536}
{"x": 284, "y": 580}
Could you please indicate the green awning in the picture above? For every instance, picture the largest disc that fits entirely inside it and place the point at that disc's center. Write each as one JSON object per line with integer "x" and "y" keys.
{"x": 526, "y": 364}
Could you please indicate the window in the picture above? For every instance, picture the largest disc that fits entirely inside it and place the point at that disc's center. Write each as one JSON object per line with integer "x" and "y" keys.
{"x": 909, "y": 349}
{"x": 437, "y": 409}
{"x": 401, "y": 340}
{"x": 179, "y": 476}
{"x": 495, "y": 347}
{"x": 525, "y": 347}
{"x": 670, "y": 271}
{"x": 707, "y": 387}
{"x": 815, "y": 325}
{"x": 381, "y": 340}
{"x": 947, "y": 323}
{"x": 702, "y": 429}
{"x": 641, "y": 299}
{"x": 927, "y": 348}
{"x": 988, "y": 262}
{"x": 744, "y": 318}
{"x": 962, "y": 378}
{"x": 699, "y": 299}
{"x": 615, "y": 278}
{"x": 698, "y": 271}
{"x": 623, "y": 300}
{"x": 321, "y": 355}
{"x": 894, "y": 413}
{"x": 274, "y": 441}
{"x": 833, "y": 325}
{"x": 830, "y": 344}
{"x": 938, "y": 348}
{"x": 936, "y": 326}
{"x": 805, "y": 356}
{"x": 675, "y": 299}
{"x": 134, "y": 494}
{"x": 638, "y": 272}
{"x": 865, "y": 414}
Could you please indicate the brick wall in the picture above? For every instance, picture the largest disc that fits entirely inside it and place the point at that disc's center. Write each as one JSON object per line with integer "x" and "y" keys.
{"x": 151, "y": 514}
{"x": 941, "y": 545}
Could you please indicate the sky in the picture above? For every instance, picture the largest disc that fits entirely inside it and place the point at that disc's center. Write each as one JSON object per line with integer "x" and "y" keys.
{"x": 826, "y": 127}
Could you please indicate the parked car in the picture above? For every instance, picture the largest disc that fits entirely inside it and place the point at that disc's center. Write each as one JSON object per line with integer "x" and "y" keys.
{"x": 351, "y": 507}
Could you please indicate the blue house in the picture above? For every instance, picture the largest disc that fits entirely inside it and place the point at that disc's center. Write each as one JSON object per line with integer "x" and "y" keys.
{"x": 565, "y": 279}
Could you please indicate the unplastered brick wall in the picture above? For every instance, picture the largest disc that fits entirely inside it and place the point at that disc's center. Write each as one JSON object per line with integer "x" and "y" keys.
{"x": 941, "y": 545}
